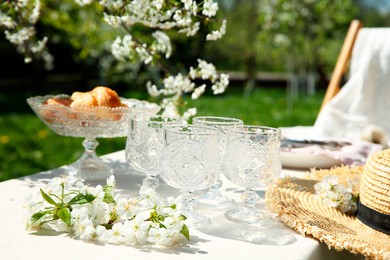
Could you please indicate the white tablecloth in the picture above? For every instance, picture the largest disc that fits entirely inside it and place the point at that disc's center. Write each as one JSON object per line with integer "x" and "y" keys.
{"x": 217, "y": 241}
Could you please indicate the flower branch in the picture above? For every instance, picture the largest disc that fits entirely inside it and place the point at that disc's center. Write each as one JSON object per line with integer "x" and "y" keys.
{"x": 99, "y": 213}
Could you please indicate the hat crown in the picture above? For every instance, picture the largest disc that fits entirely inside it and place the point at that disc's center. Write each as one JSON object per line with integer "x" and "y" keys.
{"x": 375, "y": 182}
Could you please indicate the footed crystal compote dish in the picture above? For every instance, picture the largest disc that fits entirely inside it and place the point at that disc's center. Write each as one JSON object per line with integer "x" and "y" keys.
{"x": 90, "y": 123}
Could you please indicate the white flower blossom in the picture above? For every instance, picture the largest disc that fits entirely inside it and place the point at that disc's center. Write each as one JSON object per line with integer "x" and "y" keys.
{"x": 80, "y": 226}
{"x": 152, "y": 89}
{"x": 21, "y": 36}
{"x": 189, "y": 113}
{"x": 159, "y": 236}
{"x": 111, "y": 181}
{"x": 158, "y": 4}
{"x": 144, "y": 54}
{"x": 83, "y": 2}
{"x": 210, "y": 8}
{"x": 7, "y": 21}
{"x": 35, "y": 12}
{"x": 39, "y": 46}
{"x": 163, "y": 43}
{"x": 190, "y": 30}
{"x": 112, "y": 20}
{"x": 102, "y": 234}
{"x": 122, "y": 48}
{"x": 89, "y": 233}
{"x": 126, "y": 208}
{"x": 207, "y": 70}
{"x": 177, "y": 84}
{"x": 198, "y": 92}
{"x": 215, "y": 35}
{"x": 115, "y": 234}
{"x": 21, "y": 3}
{"x": 220, "y": 86}
{"x": 336, "y": 195}
{"x": 170, "y": 109}
{"x": 188, "y": 4}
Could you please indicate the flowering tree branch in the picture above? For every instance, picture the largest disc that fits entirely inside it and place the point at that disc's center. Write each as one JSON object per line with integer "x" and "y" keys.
{"x": 18, "y": 19}
{"x": 159, "y": 18}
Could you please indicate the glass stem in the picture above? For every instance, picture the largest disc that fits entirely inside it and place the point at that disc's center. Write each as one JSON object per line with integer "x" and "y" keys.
{"x": 188, "y": 201}
{"x": 217, "y": 185}
{"x": 151, "y": 181}
{"x": 90, "y": 145}
{"x": 249, "y": 197}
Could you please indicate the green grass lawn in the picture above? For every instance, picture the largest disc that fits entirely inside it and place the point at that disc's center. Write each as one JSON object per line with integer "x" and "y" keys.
{"x": 27, "y": 146}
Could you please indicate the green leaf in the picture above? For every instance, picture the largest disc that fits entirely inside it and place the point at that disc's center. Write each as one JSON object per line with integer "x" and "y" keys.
{"x": 82, "y": 199}
{"x": 108, "y": 198}
{"x": 107, "y": 189}
{"x": 48, "y": 198}
{"x": 37, "y": 216}
{"x": 182, "y": 217}
{"x": 185, "y": 232}
{"x": 64, "y": 215}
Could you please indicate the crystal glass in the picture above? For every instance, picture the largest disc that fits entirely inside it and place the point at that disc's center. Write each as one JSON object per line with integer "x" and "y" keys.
{"x": 190, "y": 163}
{"x": 214, "y": 197}
{"x": 252, "y": 160}
{"x": 145, "y": 143}
{"x": 90, "y": 123}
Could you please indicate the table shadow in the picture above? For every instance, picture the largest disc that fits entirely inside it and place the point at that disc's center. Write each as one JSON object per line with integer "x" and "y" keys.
{"x": 270, "y": 232}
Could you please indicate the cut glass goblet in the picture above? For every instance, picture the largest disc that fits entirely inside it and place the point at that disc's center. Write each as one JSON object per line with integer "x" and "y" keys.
{"x": 190, "y": 163}
{"x": 145, "y": 143}
{"x": 252, "y": 160}
{"x": 214, "y": 197}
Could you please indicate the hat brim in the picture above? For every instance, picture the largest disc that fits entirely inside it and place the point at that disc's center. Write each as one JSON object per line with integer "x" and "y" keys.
{"x": 297, "y": 205}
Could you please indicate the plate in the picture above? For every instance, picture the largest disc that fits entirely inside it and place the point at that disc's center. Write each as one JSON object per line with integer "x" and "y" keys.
{"x": 306, "y": 161}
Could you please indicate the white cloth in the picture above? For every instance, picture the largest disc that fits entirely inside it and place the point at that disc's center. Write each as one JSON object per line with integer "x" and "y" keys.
{"x": 365, "y": 98}
{"x": 220, "y": 240}
{"x": 354, "y": 154}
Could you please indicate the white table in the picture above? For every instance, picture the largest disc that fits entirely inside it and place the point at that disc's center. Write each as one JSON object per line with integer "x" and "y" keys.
{"x": 217, "y": 241}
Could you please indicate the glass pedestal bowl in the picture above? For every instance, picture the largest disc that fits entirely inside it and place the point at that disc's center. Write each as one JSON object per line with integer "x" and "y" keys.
{"x": 90, "y": 123}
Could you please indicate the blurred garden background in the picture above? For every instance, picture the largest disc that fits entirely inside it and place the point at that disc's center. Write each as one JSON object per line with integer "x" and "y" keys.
{"x": 279, "y": 55}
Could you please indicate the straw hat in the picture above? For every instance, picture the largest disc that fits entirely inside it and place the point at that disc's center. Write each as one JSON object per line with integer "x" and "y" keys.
{"x": 367, "y": 233}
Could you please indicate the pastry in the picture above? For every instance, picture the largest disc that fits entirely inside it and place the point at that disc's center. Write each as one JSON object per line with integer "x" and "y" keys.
{"x": 79, "y": 102}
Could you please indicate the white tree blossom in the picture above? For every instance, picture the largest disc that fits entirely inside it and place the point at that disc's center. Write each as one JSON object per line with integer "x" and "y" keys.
{"x": 336, "y": 195}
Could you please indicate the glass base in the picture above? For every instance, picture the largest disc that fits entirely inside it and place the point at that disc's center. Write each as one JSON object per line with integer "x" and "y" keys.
{"x": 89, "y": 166}
{"x": 247, "y": 215}
{"x": 194, "y": 220}
{"x": 214, "y": 198}
{"x": 90, "y": 169}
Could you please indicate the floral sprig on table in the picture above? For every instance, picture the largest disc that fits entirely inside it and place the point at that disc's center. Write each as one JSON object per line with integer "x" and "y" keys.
{"x": 100, "y": 214}
{"x": 336, "y": 195}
